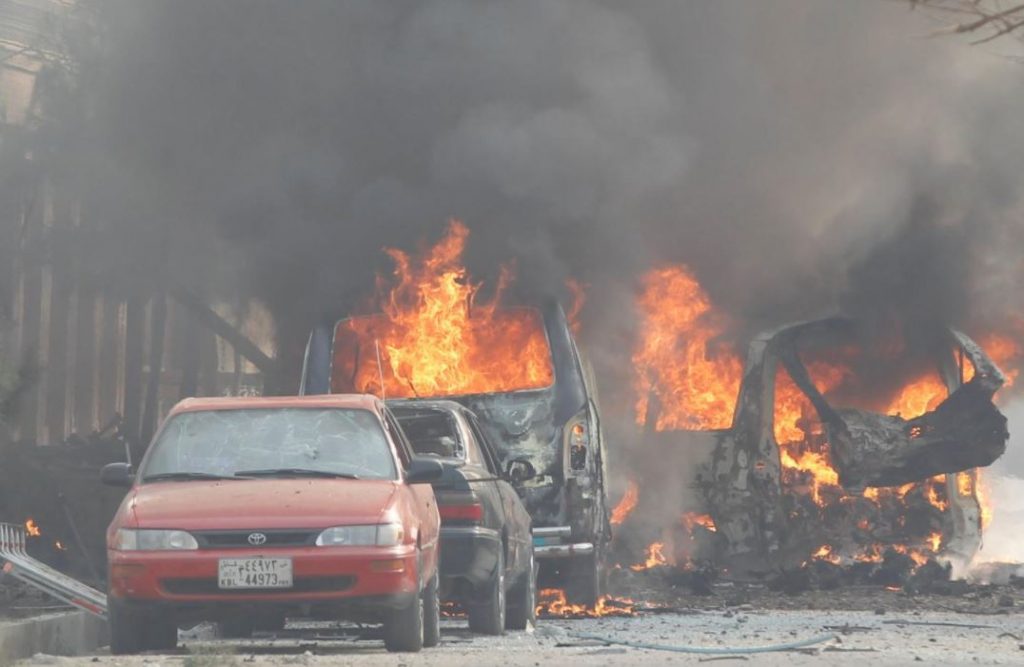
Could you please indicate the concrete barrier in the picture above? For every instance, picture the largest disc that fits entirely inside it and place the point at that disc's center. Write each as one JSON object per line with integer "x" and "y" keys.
{"x": 68, "y": 633}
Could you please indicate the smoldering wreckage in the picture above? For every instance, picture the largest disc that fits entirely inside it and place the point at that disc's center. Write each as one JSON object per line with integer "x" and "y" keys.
{"x": 773, "y": 481}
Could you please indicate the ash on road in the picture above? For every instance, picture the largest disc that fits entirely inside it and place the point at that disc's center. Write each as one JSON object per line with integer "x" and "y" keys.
{"x": 891, "y": 638}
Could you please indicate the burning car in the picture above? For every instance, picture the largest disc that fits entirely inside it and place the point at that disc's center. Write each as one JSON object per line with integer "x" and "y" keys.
{"x": 540, "y": 411}
{"x": 245, "y": 507}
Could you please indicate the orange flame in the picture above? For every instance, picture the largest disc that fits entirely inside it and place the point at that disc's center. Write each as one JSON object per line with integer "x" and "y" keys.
{"x": 579, "y": 297}
{"x": 626, "y": 505}
{"x": 552, "y": 602}
{"x": 32, "y": 528}
{"x": 692, "y": 519}
{"x": 918, "y": 397}
{"x": 655, "y": 557}
{"x": 825, "y": 553}
{"x": 435, "y": 337}
{"x": 694, "y": 386}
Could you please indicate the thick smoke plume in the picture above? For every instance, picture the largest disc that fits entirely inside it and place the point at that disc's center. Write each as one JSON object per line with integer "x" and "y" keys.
{"x": 799, "y": 156}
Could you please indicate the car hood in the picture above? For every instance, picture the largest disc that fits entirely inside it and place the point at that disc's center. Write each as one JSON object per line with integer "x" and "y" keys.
{"x": 270, "y": 503}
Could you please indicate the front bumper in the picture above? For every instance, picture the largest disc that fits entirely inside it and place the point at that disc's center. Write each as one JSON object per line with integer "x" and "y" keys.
{"x": 469, "y": 553}
{"x": 320, "y": 574}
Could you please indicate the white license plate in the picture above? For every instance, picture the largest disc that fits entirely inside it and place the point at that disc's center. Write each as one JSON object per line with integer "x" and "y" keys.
{"x": 254, "y": 573}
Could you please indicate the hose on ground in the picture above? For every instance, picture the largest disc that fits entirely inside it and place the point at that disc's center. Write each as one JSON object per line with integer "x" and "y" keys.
{"x": 771, "y": 648}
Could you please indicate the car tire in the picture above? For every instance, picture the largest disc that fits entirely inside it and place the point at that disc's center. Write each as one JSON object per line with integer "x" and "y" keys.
{"x": 585, "y": 581}
{"x": 236, "y": 627}
{"x": 487, "y": 610}
{"x": 431, "y": 613}
{"x": 403, "y": 627}
{"x": 522, "y": 599}
{"x": 161, "y": 634}
{"x": 126, "y": 629}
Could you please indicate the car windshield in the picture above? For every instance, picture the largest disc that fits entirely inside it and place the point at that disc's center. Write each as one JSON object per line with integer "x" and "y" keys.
{"x": 431, "y": 432}
{"x": 265, "y": 441}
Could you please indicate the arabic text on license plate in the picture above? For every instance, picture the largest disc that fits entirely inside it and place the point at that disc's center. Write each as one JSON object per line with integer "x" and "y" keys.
{"x": 254, "y": 573}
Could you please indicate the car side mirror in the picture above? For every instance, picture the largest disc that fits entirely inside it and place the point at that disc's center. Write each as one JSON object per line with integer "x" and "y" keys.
{"x": 423, "y": 470}
{"x": 520, "y": 470}
{"x": 117, "y": 474}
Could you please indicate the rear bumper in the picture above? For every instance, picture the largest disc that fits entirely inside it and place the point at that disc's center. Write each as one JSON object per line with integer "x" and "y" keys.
{"x": 469, "y": 553}
{"x": 358, "y": 576}
{"x": 554, "y": 542}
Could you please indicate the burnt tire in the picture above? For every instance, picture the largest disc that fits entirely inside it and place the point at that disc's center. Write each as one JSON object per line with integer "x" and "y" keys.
{"x": 270, "y": 622}
{"x": 431, "y": 613}
{"x": 487, "y": 608}
{"x": 403, "y": 627}
{"x": 236, "y": 627}
{"x": 521, "y": 612}
{"x": 161, "y": 634}
{"x": 585, "y": 584}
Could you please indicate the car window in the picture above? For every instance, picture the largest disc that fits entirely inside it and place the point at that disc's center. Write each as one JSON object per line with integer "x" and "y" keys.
{"x": 432, "y": 432}
{"x": 222, "y": 442}
{"x": 473, "y": 452}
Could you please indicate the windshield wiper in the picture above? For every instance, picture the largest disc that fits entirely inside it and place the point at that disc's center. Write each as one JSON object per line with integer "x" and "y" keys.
{"x": 184, "y": 476}
{"x": 295, "y": 472}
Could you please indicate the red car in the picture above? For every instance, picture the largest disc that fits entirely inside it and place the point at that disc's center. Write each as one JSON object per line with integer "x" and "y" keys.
{"x": 245, "y": 510}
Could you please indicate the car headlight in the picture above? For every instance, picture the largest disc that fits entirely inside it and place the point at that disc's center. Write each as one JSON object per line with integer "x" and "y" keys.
{"x": 154, "y": 540}
{"x": 382, "y": 535}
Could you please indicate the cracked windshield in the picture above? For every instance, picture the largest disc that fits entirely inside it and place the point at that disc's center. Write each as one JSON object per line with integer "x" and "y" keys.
{"x": 223, "y": 443}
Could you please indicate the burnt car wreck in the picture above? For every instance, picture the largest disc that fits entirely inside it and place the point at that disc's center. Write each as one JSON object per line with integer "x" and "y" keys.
{"x": 854, "y": 482}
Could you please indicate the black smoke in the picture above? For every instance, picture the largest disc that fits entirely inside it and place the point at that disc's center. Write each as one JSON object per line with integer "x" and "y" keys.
{"x": 800, "y": 156}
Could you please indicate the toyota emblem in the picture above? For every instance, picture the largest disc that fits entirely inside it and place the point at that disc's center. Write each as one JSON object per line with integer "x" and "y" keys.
{"x": 257, "y": 539}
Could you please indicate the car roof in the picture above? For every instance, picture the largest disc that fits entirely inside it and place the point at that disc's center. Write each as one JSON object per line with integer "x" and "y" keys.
{"x": 351, "y": 401}
{"x": 426, "y": 404}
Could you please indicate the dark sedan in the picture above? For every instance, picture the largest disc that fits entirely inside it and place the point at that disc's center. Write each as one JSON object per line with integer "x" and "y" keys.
{"x": 487, "y": 562}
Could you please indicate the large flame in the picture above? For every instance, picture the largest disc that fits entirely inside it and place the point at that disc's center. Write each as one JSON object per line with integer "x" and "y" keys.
{"x": 693, "y": 386}
{"x": 436, "y": 336}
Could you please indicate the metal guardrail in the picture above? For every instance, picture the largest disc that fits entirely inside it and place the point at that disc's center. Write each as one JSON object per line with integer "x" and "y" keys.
{"x": 20, "y": 565}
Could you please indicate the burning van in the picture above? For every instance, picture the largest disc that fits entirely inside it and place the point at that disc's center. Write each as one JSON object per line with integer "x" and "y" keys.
{"x": 521, "y": 372}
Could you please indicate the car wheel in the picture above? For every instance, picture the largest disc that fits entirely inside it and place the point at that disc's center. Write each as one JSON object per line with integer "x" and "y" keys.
{"x": 236, "y": 627}
{"x": 584, "y": 585}
{"x": 403, "y": 627}
{"x": 160, "y": 634}
{"x": 522, "y": 599}
{"x": 431, "y": 614}
{"x": 487, "y": 611}
{"x": 126, "y": 629}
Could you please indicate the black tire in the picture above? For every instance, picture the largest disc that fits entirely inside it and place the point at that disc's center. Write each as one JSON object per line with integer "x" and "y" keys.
{"x": 134, "y": 630}
{"x": 161, "y": 634}
{"x": 522, "y": 599}
{"x": 126, "y": 629}
{"x": 585, "y": 581}
{"x": 487, "y": 609}
{"x": 431, "y": 613}
{"x": 403, "y": 627}
{"x": 236, "y": 627}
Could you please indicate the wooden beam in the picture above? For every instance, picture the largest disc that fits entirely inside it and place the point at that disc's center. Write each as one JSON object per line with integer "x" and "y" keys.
{"x": 208, "y": 317}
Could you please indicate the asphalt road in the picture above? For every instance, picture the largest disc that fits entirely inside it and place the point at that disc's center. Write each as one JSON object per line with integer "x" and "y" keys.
{"x": 855, "y": 639}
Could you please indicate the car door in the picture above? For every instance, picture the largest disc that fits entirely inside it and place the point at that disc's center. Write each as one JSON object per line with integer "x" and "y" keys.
{"x": 481, "y": 479}
{"x": 517, "y": 519}
{"x": 422, "y": 494}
